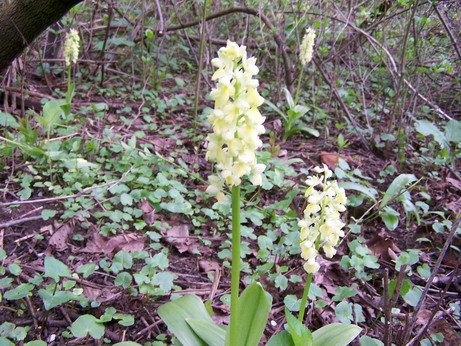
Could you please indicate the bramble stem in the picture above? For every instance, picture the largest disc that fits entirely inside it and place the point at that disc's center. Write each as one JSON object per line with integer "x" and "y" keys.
{"x": 235, "y": 274}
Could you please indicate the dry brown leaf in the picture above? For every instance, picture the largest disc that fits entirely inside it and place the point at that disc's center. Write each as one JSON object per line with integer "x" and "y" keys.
{"x": 178, "y": 236}
{"x": 455, "y": 206}
{"x": 47, "y": 228}
{"x": 91, "y": 293}
{"x": 149, "y": 215}
{"x": 455, "y": 182}
{"x": 59, "y": 238}
{"x": 209, "y": 266}
{"x": 383, "y": 246}
{"x": 439, "y": 325}
{"x": 127, "y": 242}
{"x": 163, "y": 143}
{"x": 330, "y": 159}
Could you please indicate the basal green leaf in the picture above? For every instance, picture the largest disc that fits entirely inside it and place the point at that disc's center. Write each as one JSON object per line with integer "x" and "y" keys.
{"x": 367, "y": 191}
{"x": 7, "y": 120}
{"x": 208, "y": 331}
{"x": 453, "y": 131}
{"x": 336, "y": 334}
{"x": 390, "y": 218}
{"x": 281, "y": 339}
{"x": 426, "y": 128}
{"x": 175, "y": 314}
{"x": 253, "y": 315}
{"x": 367, "y": 341}
{"x": 35, "y": 343}
{"x": 300, "y": 335}
{"x": 396, "y": 188}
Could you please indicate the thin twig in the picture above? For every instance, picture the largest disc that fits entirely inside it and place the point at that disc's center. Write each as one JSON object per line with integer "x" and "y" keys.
{"x": 454, "y": 227}
{"x": 80, "y": 194}
{"x": 341, "y": 102}
{"x": 387, "y": 308}
{"x": 436, "y": 314}
{"x": 18, "y": 221}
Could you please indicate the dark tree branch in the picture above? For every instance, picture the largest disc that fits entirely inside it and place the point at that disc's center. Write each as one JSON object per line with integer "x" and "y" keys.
{"x": 21, "y": 21}
{"x": 277, "y": 38}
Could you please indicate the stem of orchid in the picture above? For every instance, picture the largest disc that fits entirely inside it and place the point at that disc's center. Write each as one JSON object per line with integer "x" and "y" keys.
{"x": 305, "y": 296}
{"x": 298, "y": 87}
{"x": 68, "y": 83}
{"x": 235, "y": 274}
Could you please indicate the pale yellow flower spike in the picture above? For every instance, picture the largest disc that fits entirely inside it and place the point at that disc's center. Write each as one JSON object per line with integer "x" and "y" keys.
{"x": 236, "y": 121}
{"x": 307, "y": 47}
{"x": 321, "y": 225}
{"x": 71, "y": 47}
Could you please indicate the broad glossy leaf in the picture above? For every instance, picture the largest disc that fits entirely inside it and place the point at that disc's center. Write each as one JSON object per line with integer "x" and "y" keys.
{"x": 281, "y": 339}
{"x": 35, "y": 343}
{"x": 453, "y": 131}
{"x": 426, "y": 128}
{"x": 396, "y": 187}
{"x": 300, "y": 335}
{"x": 367, "y": 341}
{"x": 367, "y": 191}
{"x": 291, "y": 102}
{"x": 336, "y": 334}
{"x": 255, "y": 304}
{"x": 7, "y": 120}
{"x": 175, "y": 314}
{"x": 208, "y": 331}
{"x": 390, "y": 218}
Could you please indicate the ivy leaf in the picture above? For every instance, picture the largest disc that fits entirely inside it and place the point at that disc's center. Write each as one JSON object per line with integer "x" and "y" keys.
{"x": 47, "y": 214}
{"x": 51, "y": 300}
{"x": 126, "y": 199}
{"x": 87, "y": 269}
{"x": 55, "y": 269}
{"x": 22, "y": 291}
{"x": 87, "y": 324}
{"x": 123, "y": 279}
{"x": 343, "y": 312}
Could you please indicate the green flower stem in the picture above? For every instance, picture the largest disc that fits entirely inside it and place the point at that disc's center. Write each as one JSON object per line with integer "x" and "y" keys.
{"x": 317, "y": 246}
{"x": 305, "y": 296}
{"x": 69, "y": 77}
{"x": 235, "y": 274}
{"x": 298, "y": 87}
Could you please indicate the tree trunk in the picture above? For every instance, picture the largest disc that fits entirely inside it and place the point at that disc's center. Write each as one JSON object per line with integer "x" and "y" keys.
{"x": 21, "y": 21}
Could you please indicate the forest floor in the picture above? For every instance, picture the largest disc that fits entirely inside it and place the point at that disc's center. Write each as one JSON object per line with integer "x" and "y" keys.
{"x": 196, "y": 265}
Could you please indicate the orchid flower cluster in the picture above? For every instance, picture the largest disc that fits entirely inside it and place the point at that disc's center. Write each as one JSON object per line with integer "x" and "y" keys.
{"x": 71, "y": 47}
{"x": 307, "y": 46}
{"x": 236, "y": 121}
{"x": 321, "y": 225}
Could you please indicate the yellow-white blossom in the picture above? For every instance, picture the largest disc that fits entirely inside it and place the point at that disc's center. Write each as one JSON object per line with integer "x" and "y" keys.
{"x": 236, "y": 120}
{"x": 307, "y": 47}
{"x": 71, "y": 47}
{"x": 321, "y": 225}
